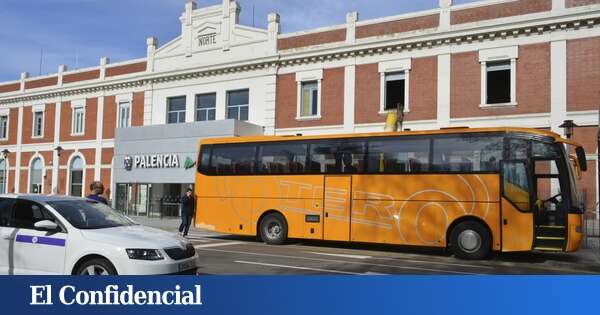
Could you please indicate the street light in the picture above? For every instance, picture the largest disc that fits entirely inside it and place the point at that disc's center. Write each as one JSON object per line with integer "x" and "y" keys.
{"x": 58, "y": 150}
{"x": 5, "y": 153}
{"x": 568, "y": 126}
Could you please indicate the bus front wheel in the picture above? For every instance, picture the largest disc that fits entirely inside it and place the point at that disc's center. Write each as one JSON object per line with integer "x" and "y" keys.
{"x": 273, "y": 229}
{"x": 470, "y": 240}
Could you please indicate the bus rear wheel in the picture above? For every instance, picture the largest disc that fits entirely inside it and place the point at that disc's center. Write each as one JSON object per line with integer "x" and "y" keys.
{"x": 273, "y": 229}
{"x": 470, "y": 240}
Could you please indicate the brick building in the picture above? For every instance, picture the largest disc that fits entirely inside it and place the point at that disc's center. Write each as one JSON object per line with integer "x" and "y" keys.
{"x": 532, "y": 63}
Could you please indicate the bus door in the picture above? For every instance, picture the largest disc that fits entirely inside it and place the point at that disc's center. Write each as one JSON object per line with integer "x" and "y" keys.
{"x": 517, "y": 216}
{"x": 337, "y": 208}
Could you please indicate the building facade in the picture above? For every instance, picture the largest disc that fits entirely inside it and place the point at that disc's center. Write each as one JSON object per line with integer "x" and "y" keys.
{"x": 530, "y": 63}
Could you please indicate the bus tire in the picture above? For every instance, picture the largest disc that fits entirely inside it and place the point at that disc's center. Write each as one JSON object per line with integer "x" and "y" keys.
{"x": 470, "y": 240}
{"x": 273, "y": 229}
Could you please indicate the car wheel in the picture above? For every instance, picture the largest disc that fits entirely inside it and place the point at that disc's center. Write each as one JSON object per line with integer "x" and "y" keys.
{"x": 273, "y": 229}
{"x": 96, "y": 267}
{"x": 470, "y": 240}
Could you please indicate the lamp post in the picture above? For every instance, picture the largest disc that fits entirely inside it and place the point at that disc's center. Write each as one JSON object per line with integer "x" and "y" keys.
{"x": 5, "y": 153}
{"x": 58, "y": 150}
{"x": 568, "y": 126}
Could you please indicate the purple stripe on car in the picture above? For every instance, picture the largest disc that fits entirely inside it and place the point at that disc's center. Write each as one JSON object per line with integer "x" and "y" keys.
{"x": 41, "y": 240}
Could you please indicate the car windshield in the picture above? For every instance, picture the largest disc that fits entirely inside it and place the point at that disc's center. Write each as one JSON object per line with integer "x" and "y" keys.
{"x": 89, "y": 215}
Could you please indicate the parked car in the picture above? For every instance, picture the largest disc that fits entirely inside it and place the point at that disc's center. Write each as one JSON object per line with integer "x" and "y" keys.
{"x": 75, "y": 236}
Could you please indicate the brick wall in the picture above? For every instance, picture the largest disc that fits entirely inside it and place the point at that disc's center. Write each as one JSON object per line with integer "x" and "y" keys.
{"x": 312, "y": 39}
{"x": 81, "y": 76}
{"x": 107, "y": 156}
{"x": 332, "y": 100}
{"x": 10, "y": 87}
{"x": 13, "y": 122}
{"x": 34, "y": 84}
{"x": 500, "y": 10}
{"x": 366, "y": 108}
{"x": 423, "y": 89}
{"x": 91, "y": 113}
{"x": 577, "y": 3}
{"x": 110, "y": 117}
{"x": 137, "y": 109}
{"x": 398, "y": 26}
{"x": 126, "y": 69}
{"x": 583, "y": 74}
{"x": 533, "y": 84}
{"x": 48, "y": 133}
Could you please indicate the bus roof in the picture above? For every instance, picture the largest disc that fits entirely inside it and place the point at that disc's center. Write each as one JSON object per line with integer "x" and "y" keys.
{"x": 460, "y": 130}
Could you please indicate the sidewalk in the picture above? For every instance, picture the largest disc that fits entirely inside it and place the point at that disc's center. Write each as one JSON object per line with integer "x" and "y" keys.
{"x": 167, "y": 223}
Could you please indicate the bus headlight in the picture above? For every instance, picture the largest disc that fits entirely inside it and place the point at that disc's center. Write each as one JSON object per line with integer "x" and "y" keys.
{"x": 144, "y": 254}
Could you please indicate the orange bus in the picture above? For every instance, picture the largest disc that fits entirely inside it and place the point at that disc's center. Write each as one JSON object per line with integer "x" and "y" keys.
{"x": 471, "y": 190}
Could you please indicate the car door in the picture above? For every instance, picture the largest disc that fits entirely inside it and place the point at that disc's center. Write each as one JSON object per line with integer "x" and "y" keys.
{"x": 36, "y": 252}
{"x": 7, "y": 235}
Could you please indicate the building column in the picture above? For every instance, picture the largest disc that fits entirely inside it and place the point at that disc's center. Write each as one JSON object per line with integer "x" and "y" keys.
{"x": 443, "y": 90}
{"x": 558, "y": 85}
{"x": 349, "y": 97}
{"x": 19, "y": 148}
{"x": 270, "y": 100}
{"x": 99, "y": 132}
{"x": 55, "y": 157}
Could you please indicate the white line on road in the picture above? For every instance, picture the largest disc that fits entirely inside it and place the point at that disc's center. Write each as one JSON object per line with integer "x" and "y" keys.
{"x": 341, "y": 255}
{"x": 338, "y": 261}
{"x": 218, "y": 244}
{"x": 297, "y": 267}
{"x": 201, "y": 240}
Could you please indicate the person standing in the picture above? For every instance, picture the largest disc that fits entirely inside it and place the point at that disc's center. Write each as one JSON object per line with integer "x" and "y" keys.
{"x": 187, "y": 212}
{"x": 97, "y": 189}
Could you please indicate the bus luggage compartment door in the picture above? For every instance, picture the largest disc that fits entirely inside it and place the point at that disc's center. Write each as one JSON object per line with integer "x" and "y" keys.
{"x": 336, "y": 208}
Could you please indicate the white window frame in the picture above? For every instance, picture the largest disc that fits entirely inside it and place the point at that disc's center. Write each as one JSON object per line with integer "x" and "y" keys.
{"x": 5, "y": 112}
{"x": 78, "y": 105}
{"x": 7, "y": 170}
{"x": 393, "y": 67}
{"x": 120, "y": 106}
{"x": 34, "y": 110}
{"x": 74, "y": 155}
{"x": 486, "y": 56}
{"x": 178, "y": 111}
{"x": 29, "y": 170}
{"x": 123, "y": 99}
{"x": 306, "y": 77}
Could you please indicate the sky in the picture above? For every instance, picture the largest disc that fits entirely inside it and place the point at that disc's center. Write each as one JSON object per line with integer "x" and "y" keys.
{"x": 77, "y": 33}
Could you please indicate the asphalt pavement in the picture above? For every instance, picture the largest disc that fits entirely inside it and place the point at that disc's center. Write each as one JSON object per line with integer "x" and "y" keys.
{"x": 221, "y": 254}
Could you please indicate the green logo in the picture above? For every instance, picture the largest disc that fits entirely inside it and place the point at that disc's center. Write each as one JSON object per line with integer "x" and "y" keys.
{"x": 189, "y": 163}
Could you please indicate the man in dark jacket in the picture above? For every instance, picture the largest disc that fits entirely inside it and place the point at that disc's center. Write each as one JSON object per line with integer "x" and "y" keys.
{"x": 187, "y": 212}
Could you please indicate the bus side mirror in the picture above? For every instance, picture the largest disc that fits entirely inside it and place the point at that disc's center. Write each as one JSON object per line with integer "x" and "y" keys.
{"x": 581, "y": 158}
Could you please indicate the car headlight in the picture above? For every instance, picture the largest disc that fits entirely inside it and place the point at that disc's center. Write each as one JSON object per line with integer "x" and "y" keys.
{"x": 144, "y": 254}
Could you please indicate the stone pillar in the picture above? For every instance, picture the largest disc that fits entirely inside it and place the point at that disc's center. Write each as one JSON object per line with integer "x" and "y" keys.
{"x": 152, "y": 44}
{"x": 351, "y": 19}
{"x": 274, "y": 31}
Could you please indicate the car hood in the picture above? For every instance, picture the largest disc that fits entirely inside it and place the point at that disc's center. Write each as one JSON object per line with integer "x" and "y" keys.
{"x": 135, "y": 236}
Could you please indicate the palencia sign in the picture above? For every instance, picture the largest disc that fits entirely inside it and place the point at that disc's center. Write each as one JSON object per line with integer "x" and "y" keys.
{"x": 152, "y": 161}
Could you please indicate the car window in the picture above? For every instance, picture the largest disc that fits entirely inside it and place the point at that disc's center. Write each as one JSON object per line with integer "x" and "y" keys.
{"x": 28, "y": 213}
{"x": 6, "y": 207}
{"x": 89, "y": 215}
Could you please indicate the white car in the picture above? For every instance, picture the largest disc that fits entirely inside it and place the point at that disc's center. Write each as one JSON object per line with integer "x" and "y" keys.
{"x": 74, "y": 236}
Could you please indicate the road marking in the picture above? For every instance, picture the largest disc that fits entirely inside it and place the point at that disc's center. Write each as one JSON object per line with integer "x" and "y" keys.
{"x": 297, "y": 267}
{"x": 201, "y": 240}
{"x": 338, "y": 261}
{"x": 341, "y": 255}
{"x": 217, "y": 244}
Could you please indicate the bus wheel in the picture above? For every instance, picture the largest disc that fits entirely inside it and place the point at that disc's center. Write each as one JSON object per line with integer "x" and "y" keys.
{"x": 470, "y": 240}
{"x": 273, "y": 229}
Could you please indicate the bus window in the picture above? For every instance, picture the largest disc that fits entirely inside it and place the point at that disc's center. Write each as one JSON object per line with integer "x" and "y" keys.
{"x": 203, "y": 166}
{"x": 337, "y": 157}
{"x": 282, "y": 158}
{"x": 516, "y": 184}
{"x": 467, "y": 153}
{"x": 233, "y": 159}
{"x": 398, "y": 155}
{"x": 517, "y": 149}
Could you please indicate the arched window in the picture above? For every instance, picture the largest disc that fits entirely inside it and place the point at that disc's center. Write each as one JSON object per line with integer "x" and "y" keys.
{"x": 3, "y": 172}
{"x": 76, "y": 177}
{"x": 36, "y": 174}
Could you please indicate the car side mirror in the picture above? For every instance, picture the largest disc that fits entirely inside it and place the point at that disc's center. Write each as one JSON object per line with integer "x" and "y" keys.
{"x": 45, "y": 225}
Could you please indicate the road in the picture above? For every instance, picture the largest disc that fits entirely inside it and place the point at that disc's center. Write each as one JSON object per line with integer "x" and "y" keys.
{"x": 232, "y": 255}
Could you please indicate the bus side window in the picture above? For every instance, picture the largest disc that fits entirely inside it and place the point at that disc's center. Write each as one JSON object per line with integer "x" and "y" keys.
{"x": 515, "y": 182}
{"x": 282, "y": 158}
{"x": 396, "y": 155}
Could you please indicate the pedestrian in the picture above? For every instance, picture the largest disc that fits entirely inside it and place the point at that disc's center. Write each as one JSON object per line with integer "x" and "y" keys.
{"x": 97, "y": 189}
{"x": 187, "y": 212}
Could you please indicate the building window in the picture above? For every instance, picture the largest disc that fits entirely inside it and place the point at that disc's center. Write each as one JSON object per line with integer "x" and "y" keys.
{"x": 4, "y": 127}
{"x": 38, "y": 124}
{"x": 3, "y": 173}
{"x": 498, "y": 82}
{"x": 395, "y": 91}
{"x": 206, "y": 107}
{"x": 176, "y": 110}
{"x": 76, "y": 177}
{"x": 309, "y": 99}
{"x": 36, "y": 176}
{"x": 124, "y": 114}
{"x": 78, "y": 120}
{"x": 238, "y": 104}
{"x": 498, "y": 76}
